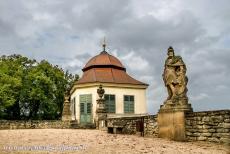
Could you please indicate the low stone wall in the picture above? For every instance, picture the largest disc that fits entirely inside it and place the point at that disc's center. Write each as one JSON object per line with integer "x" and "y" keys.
{"x": 151, "y": 126}
{"x": 134, "y": 125}
{"x": 33, "y": 124}
{"x": 212, "y": 126}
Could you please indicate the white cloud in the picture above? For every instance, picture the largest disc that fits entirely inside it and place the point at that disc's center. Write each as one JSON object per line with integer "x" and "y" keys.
{"x": 135, "y": 62}
{"x": 199, "y": 97}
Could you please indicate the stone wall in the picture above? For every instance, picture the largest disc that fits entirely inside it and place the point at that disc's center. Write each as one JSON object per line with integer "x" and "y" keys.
{"x": 151, "y": 126}
{"x": 33, "y": 124}
{"x": 212, "y": 126}
{"x": 132, "y": 125}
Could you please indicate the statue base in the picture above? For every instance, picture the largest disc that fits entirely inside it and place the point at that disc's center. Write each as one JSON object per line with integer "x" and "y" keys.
{"x": 66, "y": 118}
{"x": 176, "y": 104}
{"x": 101, "y": 123}
{"x": 66, "y": 114}
{"x": 171, "y": 120}
{"x": 101, "y": 115}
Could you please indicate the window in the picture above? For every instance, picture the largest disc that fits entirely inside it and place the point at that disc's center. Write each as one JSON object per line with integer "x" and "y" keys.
{"x": 110, "y": 104}
{"x": 74, "y": 106}
{"x": 128, "y": 104}
{"x": 86, "y": 108}
{"x": 85, "y": 104}
{"x": 82, "y": 108}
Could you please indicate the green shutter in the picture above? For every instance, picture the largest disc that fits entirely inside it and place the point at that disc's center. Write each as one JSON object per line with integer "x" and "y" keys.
{"x": 131, "y": 107}
{"x": 82, "y": 108}
{"x": 86, "y": 108}
{"x": 128, "y": 104}
{"x": 110, "y": 103}
{"x": 126, "y": 107}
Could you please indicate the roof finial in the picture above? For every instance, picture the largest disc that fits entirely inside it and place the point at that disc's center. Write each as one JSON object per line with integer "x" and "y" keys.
{"x": 104, "y": 44}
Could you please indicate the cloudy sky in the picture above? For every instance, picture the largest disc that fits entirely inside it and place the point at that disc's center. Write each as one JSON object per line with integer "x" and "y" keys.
{"x": 69, "y": 32}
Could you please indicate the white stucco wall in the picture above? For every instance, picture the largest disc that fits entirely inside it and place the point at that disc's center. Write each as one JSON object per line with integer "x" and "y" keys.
{"x": 119, "y": 92}
{"x": 139, "y": 99}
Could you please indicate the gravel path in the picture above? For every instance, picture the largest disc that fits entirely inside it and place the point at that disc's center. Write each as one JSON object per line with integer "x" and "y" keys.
{"x": 95, "y": 141}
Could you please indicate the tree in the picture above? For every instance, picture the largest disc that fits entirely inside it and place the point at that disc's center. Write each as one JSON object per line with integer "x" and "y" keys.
{"x": 31, "y": 90}
{"x": 11, "y": 72}
{"x": 71, "y": 79}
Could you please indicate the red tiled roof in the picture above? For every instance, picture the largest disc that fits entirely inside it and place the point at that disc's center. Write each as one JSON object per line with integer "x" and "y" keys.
{"x": 106, "y": 68}
{"x": 103, "y": 59}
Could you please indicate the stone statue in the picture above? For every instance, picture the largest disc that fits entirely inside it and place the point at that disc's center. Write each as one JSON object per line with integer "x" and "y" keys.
{"x": 101, "y": 100}
{"x": 175, "y": 79}
{"x": 171, "y": 116}
{"x": 100, "y": 92}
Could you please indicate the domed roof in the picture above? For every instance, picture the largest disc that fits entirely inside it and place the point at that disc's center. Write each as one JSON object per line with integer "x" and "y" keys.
{"x": 103, "y": 60}
{"x": 106, "y": 68}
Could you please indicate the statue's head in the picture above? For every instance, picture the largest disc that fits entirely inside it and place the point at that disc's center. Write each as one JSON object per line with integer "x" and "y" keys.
{"x": 170, "y": 52}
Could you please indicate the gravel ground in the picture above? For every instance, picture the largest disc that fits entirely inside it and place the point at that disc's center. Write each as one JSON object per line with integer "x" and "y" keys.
{"x": 95, "y": 141}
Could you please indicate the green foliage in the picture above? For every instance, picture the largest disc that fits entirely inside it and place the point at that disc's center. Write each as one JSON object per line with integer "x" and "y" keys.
{"x": 31, "y": 89}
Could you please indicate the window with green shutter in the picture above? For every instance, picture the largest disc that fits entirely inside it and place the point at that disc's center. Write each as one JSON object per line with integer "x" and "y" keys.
{"x": 82, "y": 108}
{"x": 110, "y": 104}
{"x": 128, "y": 104}
{"x": 86, "y": 108}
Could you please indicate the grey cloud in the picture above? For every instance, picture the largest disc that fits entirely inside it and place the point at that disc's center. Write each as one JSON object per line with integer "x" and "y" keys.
{"x": 69, "y": 33}
{"x": 148, "y": 32}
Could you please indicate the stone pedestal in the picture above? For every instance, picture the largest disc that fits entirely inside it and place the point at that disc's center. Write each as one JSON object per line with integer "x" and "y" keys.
{"x": 66, "y": 115}
{"x": 101, "y": 115}
{"x": 172, "y": 125}
{"x": 101, "y": 123}
{"x": 171, "y": 121}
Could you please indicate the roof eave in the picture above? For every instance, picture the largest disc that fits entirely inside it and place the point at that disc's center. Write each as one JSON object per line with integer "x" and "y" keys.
{"x": 107, "y": 84}
{"x": 103, "y": 66}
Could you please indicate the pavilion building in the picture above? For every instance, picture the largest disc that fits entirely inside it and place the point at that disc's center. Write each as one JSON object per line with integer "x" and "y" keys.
{"x": 124, "y": 95}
